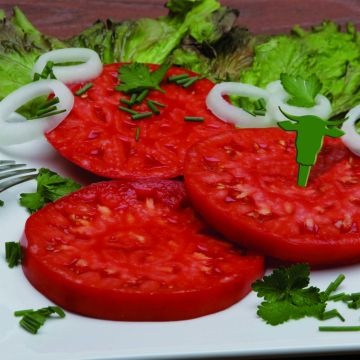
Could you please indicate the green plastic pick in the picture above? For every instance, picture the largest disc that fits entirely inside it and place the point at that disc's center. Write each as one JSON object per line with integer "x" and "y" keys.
{"x": 310, "y": 133}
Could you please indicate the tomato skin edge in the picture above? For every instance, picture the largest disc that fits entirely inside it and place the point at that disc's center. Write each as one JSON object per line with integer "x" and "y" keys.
{"x": 120, "y": 306}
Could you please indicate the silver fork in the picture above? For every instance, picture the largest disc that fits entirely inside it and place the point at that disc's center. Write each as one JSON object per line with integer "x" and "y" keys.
{"x": 14, "y": 175}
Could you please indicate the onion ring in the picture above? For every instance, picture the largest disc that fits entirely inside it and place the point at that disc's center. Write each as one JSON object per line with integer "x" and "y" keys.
{"x": 351, "y": 139}
{"x": 15, "y": 129}
{"x": 90, "y": 69}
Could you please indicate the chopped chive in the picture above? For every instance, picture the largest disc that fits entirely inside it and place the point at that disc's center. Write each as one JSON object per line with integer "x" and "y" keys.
{"x": 13, "y": 254}
{"x": 194, "y": 119}
{"x": 133, "y": 99}
{"x": 157, "y": 103}
{"x": 142, "y": 96}
{"x": 46, "y": 110}
{"x": 36, "y": 77}
{"x": 332, "y": 314}
{"x": 140, "y": 116}
{"x": 339, "y": 297}
{"x": 152, "y": 107}
{"x": 49, "y": 103}
{"x": 50, "y": 114}
{"x": 126, "y": 102}
{"x": 175, "y": 78}
{"x": 137, "y": 135}
{"x": 190, "y": 82}
{"x": 334, "y": 285}
{"x": 339, "y": 328}
{"x": 129, "y": 111}
{"x": 262, "y": 103}
{"x": 32, "y": 320}
{"x": 259, "y": 112}
{"x": 183, "y": 81}
{"x": 84, "y": 89}
{"x": 23, "y": 312}
{"x": 355, "y": 305}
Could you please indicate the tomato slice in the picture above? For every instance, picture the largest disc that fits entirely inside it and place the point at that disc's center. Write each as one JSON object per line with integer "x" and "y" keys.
{"x": 103, "y": 139}
{"x": 244, "y": 182}
{"x": 133, "y": 251}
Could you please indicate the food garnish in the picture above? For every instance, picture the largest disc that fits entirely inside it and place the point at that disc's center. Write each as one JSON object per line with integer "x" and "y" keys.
{"x": 33, "y": 320}
{"x": 84, "y": 89}
{"x": 137, "y": 78}
{"x": 13, "y": 254}
{"x": 50, "y": 187}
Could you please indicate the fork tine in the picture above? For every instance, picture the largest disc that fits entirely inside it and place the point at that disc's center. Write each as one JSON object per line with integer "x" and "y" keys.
{"x": 5, "y": 162}
{"x": 15, "y": 173}
{"x": 12, "y": 182}
{"x": 10, "y": 166}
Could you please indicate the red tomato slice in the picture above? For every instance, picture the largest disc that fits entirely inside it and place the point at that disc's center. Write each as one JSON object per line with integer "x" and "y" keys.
{"x": 244, "y": 182}
{"x": 133, "y": 251}
{"x": 102, "y": 139}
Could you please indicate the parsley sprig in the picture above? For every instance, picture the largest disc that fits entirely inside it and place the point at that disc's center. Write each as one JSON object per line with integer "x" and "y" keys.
{"x": 137, "y": 77}
{"x": 13, "y": 255}
{"x": 50, "y": 187}
{"x": 302, "y": 91}
{"x": 287, "y": 296}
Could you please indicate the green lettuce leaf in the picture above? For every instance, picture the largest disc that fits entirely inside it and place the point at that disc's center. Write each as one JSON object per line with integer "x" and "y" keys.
{"x": 325, "y": 51}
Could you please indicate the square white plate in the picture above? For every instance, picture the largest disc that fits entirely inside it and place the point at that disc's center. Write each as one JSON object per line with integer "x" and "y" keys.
{"x": 236, "y": 331}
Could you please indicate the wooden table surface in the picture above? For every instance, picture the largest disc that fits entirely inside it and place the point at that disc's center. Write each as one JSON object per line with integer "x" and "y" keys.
{"x": 64, "y": 18}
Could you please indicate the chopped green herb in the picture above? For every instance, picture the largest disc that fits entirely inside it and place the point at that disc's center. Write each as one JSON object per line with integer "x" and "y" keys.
{"x": 133, "y": 99}
{"x": 152, "y": 107}
{"x": 46, "y": 73}
{"x": 13, "y": 254}
{"x": 1, "y": 203}
{"x": 140, "y": 116}
{"x": 130, "y": 111}
{"x": 334, "y": 285}
{"x": 331, "y": 314}
{"x": 175, "y": 78}
{"x": 51, "y": 114}
{"x": 137, "y": 77}
{"x": 194, "y": 119}
{"x": 142, "y": 96}
{"x": 84, "y": 89}
{"x": 49, "y": 103}
{"x": 339, "y": 328}
{"x": 137, "y": 134}
{"x": 182, "y": 81}
{"x": 191, "y": 81}
{"x": 157, "y": 103}
{"x": 302, "y": 91}
{"x": 32, "y": 320}
{"x": 50, "y": 187}
{"x": 126, "y": 102}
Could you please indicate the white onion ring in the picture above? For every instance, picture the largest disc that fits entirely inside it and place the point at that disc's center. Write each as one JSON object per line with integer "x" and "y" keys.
{"x": 90, "y": 69}
{"x": 233, "y": 114}
{"x": 15, "y": 129}
{"x": 351, "y": 139}
{"x": 278, "y": 97}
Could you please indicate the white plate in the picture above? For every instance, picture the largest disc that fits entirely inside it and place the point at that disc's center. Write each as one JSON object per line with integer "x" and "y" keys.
{"x": 236, "y": 331}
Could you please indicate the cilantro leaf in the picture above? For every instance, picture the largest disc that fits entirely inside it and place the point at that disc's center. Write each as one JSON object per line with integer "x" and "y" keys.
{"x": 302, "y": 91}
{"x": 136, "y": 77}
{"x": 50, "y": 187}
{"x": 287, "y": 296}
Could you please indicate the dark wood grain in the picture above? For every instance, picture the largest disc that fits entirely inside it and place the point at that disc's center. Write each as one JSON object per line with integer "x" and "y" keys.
{"x": 64, "y": 18}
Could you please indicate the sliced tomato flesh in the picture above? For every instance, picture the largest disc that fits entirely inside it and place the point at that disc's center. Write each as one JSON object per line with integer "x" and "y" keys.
{"x": 244, "y": 182}
{"x": 133, "y": 251}
{"x": 105, "y": 140}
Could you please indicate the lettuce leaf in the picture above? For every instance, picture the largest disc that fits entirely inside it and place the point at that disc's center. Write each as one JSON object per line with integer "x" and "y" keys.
{"x": 20, "y": 45}
{"x": 326, "y": 51}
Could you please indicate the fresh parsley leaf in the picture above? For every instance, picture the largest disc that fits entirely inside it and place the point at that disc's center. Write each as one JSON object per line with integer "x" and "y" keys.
{"x": 136, "y": 77}
{"x": 287, "y": 296}
{"x": 302, "y": 91}
{"x": 13, "y": 255}
{"x": 50, "y": 187}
